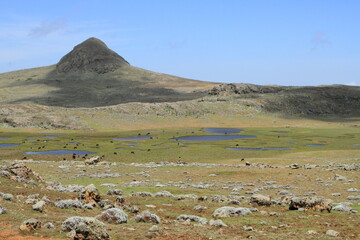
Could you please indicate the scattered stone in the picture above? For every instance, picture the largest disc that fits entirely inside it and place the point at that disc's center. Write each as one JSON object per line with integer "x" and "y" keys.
{"x": 48, "y": 225}
{"x": 230, "y": 212}
{"x": 357, "y": 197}
{"x": 164, "y": 194}
{"x": 132, "y": 209}
{"x": 147, "y": 217}
{"x": 294, "y": 166}
{"x": 312, "y": 232}
{"x": 113, "y": 215}
{"x": 199, "y": 208}
{"x": 212, "y": 175}
{"x": 114, "y": 192}
{"x": 93, "y": 160}
{"x": 85, "y": 228}
{"x": 336, "y": 194}
{"x": 120, "y": 200}
{"x": 342, "y": 208}
{"x": 8, "y": 196}
{"x": 192, "y": 218}
{"x": 2, "y": 210}
{"x": 332, "y": 233}
{"x": 154, "y": 228}
{"x": 39, "y": 206}
{"x": 142, "y": 194}
{"x": 247, "y": 228}
{"x": 105, "y": 204}
{"x": 217, "y": 223}
{"x": 273, "y": 214}
{"x": 108, "y": 185}
{"x": 338, "y": 177}
{"x": 30, "y": 225}
{"x": 353, "y": 190}
{"x": 68, "y": 204}
{"x": 260, "y": 200}
{"x": 88, "y": 206}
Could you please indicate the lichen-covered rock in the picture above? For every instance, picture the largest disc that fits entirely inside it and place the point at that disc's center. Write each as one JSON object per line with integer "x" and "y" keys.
{"x": 163, "y": 194}
{"x": 114, "y": 192}
{"x": 39, "y": 206}
{"x": 132, "y": 209}
{"x": 217, "y": 223}
{"x": 311, "y": 203}
{"x": 68, "y": 204}
{"x": 230, "y": 212}
{"x": 30, "y": 225}
{"x": 85, "y": 228}
{"x": 260, "y": 200}
{"x": 2, "y": 210}
{"x": 199, "y": 208}
{"x": 342, "y": 208}
{"x": 8, "y": 196}
{"x": 192, "y": 218}
{"x": 93, "y": 160}
{"x": 113, "y": 215}
{"x": 142, "y": 194}
{"x": 354, "y": 197}
{"x": 147, "y": 217}
{"x": 48, "y": 225}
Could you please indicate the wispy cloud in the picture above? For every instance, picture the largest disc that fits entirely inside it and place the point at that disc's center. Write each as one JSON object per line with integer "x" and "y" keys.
{"x": 318, "y": 40}
{"x": 47, "y": 28}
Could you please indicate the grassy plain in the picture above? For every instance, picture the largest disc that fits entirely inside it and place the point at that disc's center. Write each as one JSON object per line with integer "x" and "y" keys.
{"x": 215, "y": 168}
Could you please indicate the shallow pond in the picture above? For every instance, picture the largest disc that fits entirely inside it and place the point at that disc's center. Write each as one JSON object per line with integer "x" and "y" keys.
{"x": 208, "y": 138}
{"x": 3, "y": 138}
{"x": 316, "y": 145}
{"x": 134, "y": 138}
{"x": 261, "y": 149}
{"x": 9, "y": 145}
{"x": 222, "y": 130}
{"x": 60, "y": 152}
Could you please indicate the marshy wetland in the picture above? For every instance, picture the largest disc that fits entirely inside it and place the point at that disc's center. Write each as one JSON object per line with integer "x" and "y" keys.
{"x": 185, "y": 182}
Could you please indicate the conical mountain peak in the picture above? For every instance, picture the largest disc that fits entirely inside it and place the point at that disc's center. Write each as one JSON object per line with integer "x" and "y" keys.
{"x": 92, "y": 55}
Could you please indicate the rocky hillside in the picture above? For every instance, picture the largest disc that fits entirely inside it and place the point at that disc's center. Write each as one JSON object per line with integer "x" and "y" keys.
{"x": 305, "y": 101}
{"x": 92, "y": 75}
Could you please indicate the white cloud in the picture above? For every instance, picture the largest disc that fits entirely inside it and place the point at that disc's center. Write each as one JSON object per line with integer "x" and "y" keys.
{"x": 352, "y": 83}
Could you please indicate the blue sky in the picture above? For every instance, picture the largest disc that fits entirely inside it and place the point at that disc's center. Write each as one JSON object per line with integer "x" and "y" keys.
{"x": 292, "y": 42}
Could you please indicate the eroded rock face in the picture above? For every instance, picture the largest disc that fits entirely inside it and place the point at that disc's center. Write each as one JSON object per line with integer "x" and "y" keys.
{"x": 85, "y": 228}
{"x": 91, "y": 55}
{"x": 90, "y": 195}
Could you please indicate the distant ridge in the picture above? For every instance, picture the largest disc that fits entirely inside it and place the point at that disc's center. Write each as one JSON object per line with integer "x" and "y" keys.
{"x": 92, "y": 55}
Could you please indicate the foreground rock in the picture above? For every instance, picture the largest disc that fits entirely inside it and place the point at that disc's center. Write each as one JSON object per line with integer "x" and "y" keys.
{"x": 85, "y": 228}
{"x": 113, "y": 215}
{"x": 21, "y": 173}
{"x": 230, "y": 212}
